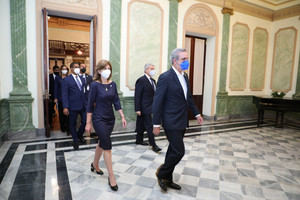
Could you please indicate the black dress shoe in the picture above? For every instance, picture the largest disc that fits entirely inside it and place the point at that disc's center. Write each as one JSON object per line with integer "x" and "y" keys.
{"x": 156, "y": 149}
{"x": 142, "y": 143}
{"x": 173, "y": 185}
{"x": 100, "y": 172}
{"x": 114, "y": 188}
{"x": 162, "y": 183}
{"x": 75, "y": 145}
{"x": 81, "y": 139}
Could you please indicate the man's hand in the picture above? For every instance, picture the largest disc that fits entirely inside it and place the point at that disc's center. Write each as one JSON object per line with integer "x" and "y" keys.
{"x": 66, "y": 111}
{"x": 199, "y": 119}
{"x": 156, "y": 130}
{"x": 138, "y": 113}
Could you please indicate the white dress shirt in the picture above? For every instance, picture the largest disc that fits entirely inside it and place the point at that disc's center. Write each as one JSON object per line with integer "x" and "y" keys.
{"x": 182, "y": 81}
{"x": 74, "y": 76}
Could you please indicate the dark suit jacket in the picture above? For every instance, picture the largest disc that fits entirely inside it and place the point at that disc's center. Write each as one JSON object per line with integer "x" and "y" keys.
{"x": 72, "y": 97}
{"x": 57, "y": 88}
{"x": 143, "y": 95}
{"x": 169, "y": 105}
{"x": 87, "y": 86}
{"x": 51, "y": 86}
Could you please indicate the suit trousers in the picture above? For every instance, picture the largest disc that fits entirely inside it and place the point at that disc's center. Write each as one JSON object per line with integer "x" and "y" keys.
{"x": 72, "y": 123}
{"x": 63, "y": 119}
{"x": 174, "y": 154}
{"x": 144, "y": 122}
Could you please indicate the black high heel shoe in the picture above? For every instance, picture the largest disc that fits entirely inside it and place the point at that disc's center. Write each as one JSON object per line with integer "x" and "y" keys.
{"x": 100, "y": 172}
{"x": 114, "y": 188}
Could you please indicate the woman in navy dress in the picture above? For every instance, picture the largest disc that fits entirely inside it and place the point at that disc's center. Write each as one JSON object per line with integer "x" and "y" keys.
{"x": 103, "y": 94}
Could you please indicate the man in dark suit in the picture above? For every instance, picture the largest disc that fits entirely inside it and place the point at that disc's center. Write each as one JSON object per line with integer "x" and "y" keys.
{"x": 145, "y": 87}
{"x": 51, "y": 104}
{"x": 170, "y": 107}
{"x": 74, "y": 103}
{"x": 88, "y": 80}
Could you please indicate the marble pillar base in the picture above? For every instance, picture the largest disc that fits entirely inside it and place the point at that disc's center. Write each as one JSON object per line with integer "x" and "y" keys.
{"x": 20, "y": 113}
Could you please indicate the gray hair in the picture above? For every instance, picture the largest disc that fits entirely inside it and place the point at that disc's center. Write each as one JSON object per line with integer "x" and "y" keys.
{"x": 147, "y": 66}
{"x": 175, "y": 54}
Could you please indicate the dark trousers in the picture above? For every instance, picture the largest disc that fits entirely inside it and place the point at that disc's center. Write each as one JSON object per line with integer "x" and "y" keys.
{"x": 72, "y": 123}
{"x": 63, "y": 119}
{"x": 51, "y": 111}
{"x": 144, "y": 122}
{"x": 174, "y": 154}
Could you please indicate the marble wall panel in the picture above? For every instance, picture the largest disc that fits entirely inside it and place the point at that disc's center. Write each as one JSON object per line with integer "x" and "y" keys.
{"x": 239, "y": 56}
{"x": 283, "y": 59}
{"x": 259, "y": 55}
{"x": 144, "y": 39}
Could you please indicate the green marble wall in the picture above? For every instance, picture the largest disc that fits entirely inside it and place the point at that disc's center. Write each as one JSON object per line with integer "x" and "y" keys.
{"x": 297, "y": 94}
{"x": 283, "y": 59}
{"x": 239, "y": 56}
{"x": 115, "y": 38}
{"x": 20, "y": 100}
{"x": 234, "y": 106}
{"x": 259, "y": 54}
{"x": 4, "y": 118}
{"x": 173, "y": 23}
{"x": 145, "y": 39}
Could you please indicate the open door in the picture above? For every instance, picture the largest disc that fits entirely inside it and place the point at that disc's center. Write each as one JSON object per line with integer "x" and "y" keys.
{"x": 196, "y": 47}
{"x": 46, "y": 96}
{"x": 93, "y": 44}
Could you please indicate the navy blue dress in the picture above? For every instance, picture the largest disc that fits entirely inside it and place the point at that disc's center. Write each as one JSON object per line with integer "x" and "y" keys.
{"x": 100, "y": 101}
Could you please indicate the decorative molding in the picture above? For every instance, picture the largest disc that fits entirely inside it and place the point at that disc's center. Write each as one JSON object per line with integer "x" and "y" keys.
{"x": 79, "y": 3}
{"x": 246, "y": 61}
{"x": 256, "y": 11}
{"x": 72, "y": 24}
{"x": 209, "y": 29}
{"x": 266, "y": 55}
{"x": 292, "y": 62}
{"x": 276, "y": 4}
{"x": 227, "y": 11}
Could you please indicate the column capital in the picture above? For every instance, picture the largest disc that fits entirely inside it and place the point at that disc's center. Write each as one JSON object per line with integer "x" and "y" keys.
{"x": 227, "y": 11}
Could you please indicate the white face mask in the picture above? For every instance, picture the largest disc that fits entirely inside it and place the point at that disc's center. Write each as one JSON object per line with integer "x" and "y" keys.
{"x": 64, "y": 71}
{"x": 77, "y": 70}
{"x": 152, "y": 73}
{"x": 105, "y": 73}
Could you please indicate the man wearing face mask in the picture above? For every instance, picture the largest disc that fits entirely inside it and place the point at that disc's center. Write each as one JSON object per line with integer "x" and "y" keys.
{"x": 52, "y": 78}
{"x": 73, "y": 100}
{"x": 170, "y": 108}
{"x": 88, "y": 80}
{"x": 145, "y": 88}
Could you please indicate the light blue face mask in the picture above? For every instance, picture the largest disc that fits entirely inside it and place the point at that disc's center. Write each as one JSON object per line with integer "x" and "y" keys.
{"x": 185, "y": 65}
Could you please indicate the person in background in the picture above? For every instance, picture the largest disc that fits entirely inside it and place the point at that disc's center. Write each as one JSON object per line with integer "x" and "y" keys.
{"x": 51, "y": 104}
{"x": 170, "y": 108}
{"x": 63, "y": 119}
{"x": 73, "y": 100}
{"x": 102, "y": 97}
{"x": 87, "y": 78}
{"x": 143, "y": 98}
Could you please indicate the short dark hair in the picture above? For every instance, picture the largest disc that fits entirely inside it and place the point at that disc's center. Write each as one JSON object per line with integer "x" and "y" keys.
{"x": 72, "y": 64}
{"x": 55, "y": 67}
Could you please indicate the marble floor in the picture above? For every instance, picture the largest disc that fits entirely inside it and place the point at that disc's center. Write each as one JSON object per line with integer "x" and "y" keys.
{"x": 230, "y": 160}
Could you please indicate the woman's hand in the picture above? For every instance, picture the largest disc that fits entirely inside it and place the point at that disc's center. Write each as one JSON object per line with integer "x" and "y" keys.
{"x": 124, "y": 123}
{"x": 88, "y": 127}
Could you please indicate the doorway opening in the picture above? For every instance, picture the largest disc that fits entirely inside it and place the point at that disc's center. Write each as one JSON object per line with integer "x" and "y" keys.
{"x": 67, "y": 38}
{"x": 196, "y": 48}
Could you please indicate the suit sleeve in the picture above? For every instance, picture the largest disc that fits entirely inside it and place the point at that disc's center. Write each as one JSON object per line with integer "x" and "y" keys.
{"x": 91, "y": 99}
{"x": 65, "y": 93}
{"x": 159, "y": 99}
{"x": 138, "y": 94}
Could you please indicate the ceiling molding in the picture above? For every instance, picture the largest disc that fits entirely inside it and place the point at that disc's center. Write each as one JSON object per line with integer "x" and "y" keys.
{"x": 256, "y": 10}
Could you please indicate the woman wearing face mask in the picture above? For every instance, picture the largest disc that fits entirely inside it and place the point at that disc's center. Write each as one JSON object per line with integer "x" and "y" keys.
{"x": 103, "y": 94}
{"x": 63, "y": 119}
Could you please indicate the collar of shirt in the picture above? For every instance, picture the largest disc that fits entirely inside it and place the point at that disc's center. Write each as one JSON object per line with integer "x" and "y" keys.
{"x": 148, "y": 77}
{"x": 182, "y": 81}
{"x": 83, "y": 75}
{"x": 74, "y": 76}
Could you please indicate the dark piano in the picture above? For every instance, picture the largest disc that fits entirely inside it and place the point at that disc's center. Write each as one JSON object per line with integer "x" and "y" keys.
{"x": 279, "y": 105}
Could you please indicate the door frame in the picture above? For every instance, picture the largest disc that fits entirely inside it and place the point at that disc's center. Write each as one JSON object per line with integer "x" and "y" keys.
{"x": 45, "y": 56}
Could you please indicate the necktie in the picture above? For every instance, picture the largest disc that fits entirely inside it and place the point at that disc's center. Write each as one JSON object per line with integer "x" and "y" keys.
{"x": 78, "y": 83}
{"x": 153, "y": 85}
